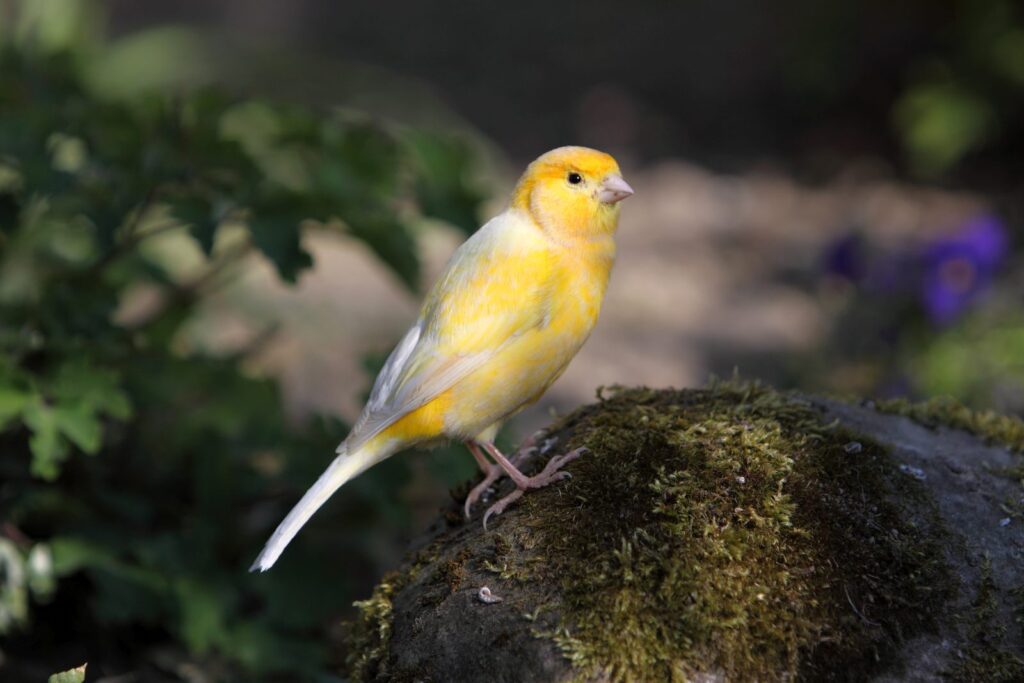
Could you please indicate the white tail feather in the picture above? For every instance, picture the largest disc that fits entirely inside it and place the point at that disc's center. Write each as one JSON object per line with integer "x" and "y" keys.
{"x": 345, "y": 467}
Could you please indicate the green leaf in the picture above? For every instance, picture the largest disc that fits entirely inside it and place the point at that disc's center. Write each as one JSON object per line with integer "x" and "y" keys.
{"x": 201, "y": 217}
{"x": 371, "y": 156}
{"x": 72, "y": 554}
{"x": 76, "y": 675}
{"x": 81, "y": 426}
{"x": 12, "y": 402}
{"x": 80, "y": 394}
{"x": 392, "y": 241}
{"x": 53, "y": 425}
{"x": 98, "y": 389}
{"x": 276, "y": 232}
{"x": 48, "y": 447}
{"x": 444, "y": 185}
{"x": 201, "y": 614}
{"x": 940, "y": 123}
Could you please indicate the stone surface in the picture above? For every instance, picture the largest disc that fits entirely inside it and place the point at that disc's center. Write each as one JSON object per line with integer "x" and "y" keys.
{"x": 439, "y": 630}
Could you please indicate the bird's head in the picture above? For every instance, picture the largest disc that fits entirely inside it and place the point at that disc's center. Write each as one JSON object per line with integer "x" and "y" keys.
{"x": 573, "y": 191}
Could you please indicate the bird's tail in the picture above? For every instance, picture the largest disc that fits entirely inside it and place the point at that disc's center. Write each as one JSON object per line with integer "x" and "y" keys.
{"x": 344, "y": 467}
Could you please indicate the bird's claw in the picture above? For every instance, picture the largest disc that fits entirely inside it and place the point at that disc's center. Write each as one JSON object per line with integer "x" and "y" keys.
{"x": 557, "y": 462}
{"x": 549, "y": 475}
{"x": 500, "y": 506}
{"x": 480, "y": 489}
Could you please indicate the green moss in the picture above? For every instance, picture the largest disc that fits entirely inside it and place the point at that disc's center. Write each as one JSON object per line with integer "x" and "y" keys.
{"x": 729, "y": 530}
{"x": 994, "y": 428}
{"x": 986, "y": 660}
{"x": 370, "y": 633}
{"x": 726, "y": 530}
{"x": 989, "y": 425}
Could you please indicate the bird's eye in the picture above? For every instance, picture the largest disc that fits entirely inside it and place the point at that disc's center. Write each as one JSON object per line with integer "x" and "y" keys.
{"x": 575, "y": 178}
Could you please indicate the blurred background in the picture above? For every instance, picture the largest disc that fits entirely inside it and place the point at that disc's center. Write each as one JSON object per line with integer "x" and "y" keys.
{"x": 218, "y": 216}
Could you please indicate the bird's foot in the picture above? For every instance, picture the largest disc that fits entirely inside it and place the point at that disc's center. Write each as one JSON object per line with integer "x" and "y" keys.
{"x": 500, "y": 506}
{"x": 549, "y": 475}
{"x": 493, "y": 472}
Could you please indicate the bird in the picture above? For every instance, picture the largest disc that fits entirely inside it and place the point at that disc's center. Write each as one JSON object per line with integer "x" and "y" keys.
{"x": 513, "y": 306}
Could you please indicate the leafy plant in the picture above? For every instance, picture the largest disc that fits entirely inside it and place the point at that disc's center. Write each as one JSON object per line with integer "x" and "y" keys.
{"x": 137, "y": 477}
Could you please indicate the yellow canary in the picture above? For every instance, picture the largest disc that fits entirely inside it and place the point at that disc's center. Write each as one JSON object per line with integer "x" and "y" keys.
{"x": 512, "y": 308}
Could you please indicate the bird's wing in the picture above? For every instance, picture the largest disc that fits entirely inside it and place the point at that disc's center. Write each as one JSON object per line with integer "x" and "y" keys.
{"x": 495, "y": 288}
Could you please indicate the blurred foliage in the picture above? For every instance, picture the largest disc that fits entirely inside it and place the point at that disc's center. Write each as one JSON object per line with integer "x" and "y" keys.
{"x": 967, "y": 94}
{"x": 938, "y": 317}
{"x": 134, "y": 486}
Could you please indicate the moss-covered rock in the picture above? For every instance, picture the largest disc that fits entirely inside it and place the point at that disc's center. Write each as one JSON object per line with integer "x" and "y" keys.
{"x": 731, "y": 533}
{"x": 945, "y": 411}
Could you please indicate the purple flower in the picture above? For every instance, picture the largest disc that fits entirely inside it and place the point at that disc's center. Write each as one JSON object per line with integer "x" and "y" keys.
{"x": 959, "y": 267}
{"x": 845, "y": 257}
{"x": 850, "y": 258}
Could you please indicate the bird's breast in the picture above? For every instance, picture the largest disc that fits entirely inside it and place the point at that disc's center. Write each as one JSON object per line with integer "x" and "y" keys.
{"x": 527, "y": 365}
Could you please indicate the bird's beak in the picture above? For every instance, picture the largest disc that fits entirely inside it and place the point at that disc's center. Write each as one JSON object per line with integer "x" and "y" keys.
{"x": 614, "y": 189}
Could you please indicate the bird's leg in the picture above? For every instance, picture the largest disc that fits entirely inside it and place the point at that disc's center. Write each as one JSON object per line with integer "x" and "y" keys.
{"x": 491, "y": 472}
{"x": 481, "y": 459}
{"x": 549, "y": 475}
